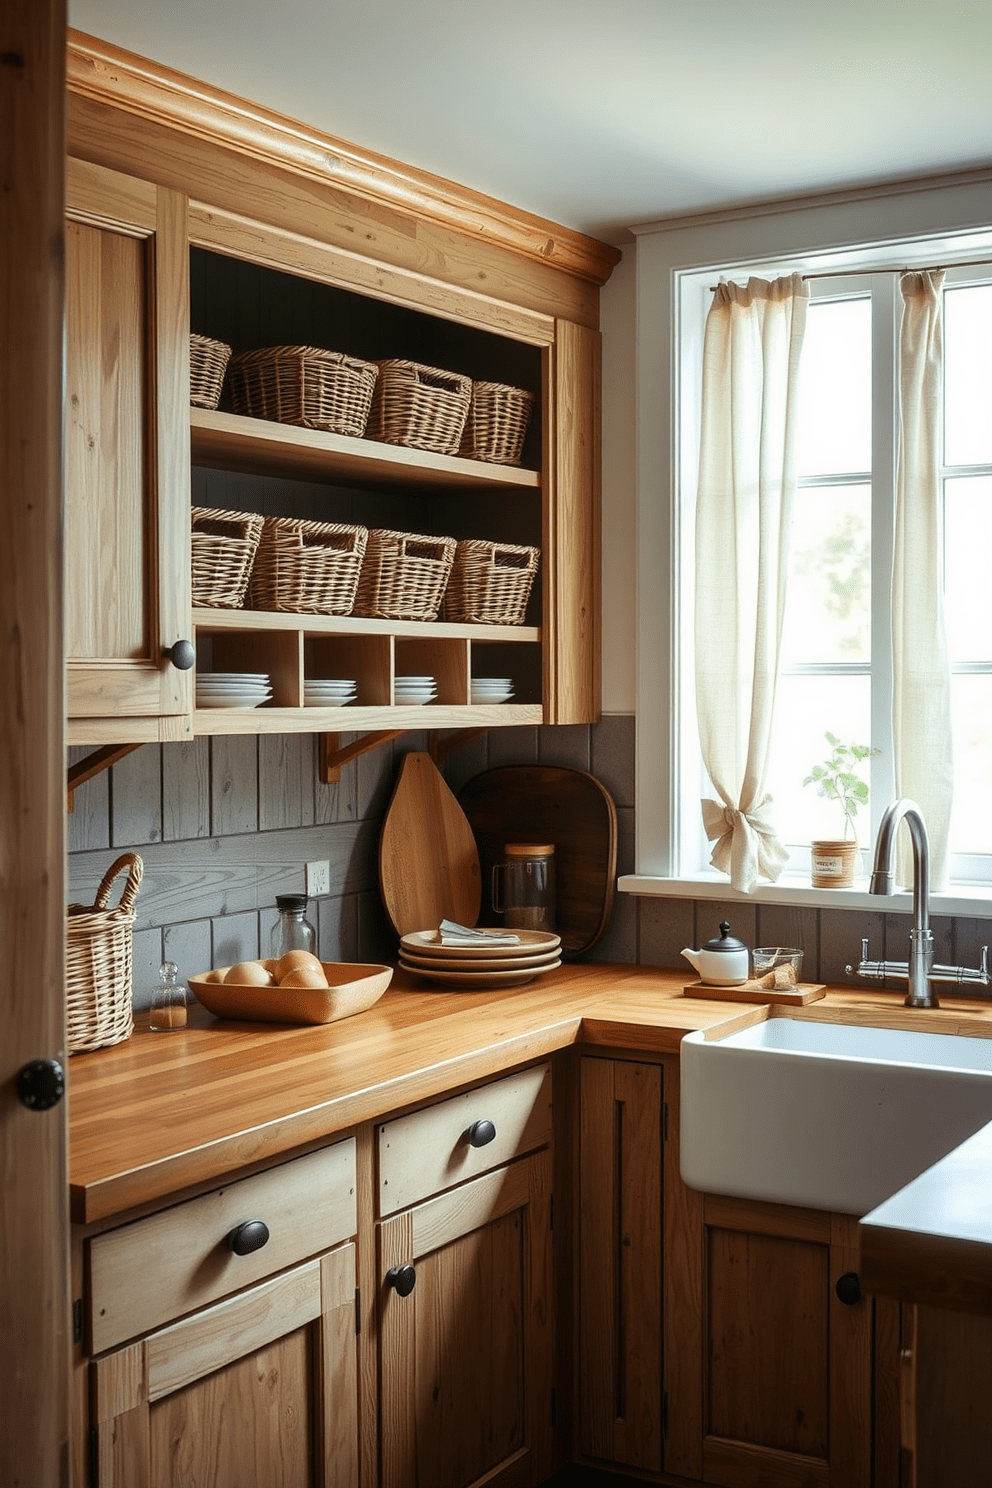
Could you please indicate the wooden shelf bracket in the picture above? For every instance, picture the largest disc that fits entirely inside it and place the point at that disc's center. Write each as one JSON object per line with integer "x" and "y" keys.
{"x": 94, "y": 764}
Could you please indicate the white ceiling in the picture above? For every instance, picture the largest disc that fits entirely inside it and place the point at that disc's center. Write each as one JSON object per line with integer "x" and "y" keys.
{"x": 602, "y": 113}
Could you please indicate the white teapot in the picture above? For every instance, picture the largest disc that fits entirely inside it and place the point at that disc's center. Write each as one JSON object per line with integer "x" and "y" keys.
{"x": 722, "y": 962}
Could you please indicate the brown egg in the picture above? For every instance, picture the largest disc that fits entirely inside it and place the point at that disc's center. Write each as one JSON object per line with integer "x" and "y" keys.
{"x": 305, "y": 976}
{"x": 293, "y": 961}
{"x": 270, "y": 963}
{"x": 249, "y": 974}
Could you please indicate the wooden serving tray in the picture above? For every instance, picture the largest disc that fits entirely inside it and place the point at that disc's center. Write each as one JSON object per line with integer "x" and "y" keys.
{"x": 753, "y": 991}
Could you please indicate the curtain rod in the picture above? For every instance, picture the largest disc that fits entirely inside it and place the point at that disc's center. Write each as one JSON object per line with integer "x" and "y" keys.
{"x": 971, "y": 263}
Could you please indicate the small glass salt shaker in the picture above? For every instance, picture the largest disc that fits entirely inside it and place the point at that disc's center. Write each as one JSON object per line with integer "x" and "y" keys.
{"x": 169, "y": 1000}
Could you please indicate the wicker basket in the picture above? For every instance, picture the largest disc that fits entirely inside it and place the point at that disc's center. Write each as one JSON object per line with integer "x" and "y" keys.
{"x": 421, "y": 407}
{"x": 307, "y": 567}
{"x": 223, "y": 546}
{"x": 304, "y": 385}
{"x": 404, "y": 576}
{"x": 207, "y": 364}
{"x": 497, "y": 421}
{"x": 490, "y": 583}
{"x": 98, "y": 962}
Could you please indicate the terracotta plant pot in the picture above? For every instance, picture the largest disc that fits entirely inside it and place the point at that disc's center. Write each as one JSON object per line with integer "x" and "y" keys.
{"x": 833, "y": 864}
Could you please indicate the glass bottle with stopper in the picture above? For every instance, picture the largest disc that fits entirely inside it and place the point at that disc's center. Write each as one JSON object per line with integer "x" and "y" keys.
{"x": 169, "y": 1000}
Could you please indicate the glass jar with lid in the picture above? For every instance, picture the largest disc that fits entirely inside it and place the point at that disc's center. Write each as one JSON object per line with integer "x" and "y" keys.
{"x": 292, "y": 931}
{"x": 524, "y": 886}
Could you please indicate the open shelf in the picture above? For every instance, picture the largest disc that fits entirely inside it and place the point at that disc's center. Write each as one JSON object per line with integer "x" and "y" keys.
{"x": 228, "y": 441}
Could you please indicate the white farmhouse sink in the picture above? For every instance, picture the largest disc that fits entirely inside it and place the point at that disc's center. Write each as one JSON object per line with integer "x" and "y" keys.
{"x": 826, "y": 1115}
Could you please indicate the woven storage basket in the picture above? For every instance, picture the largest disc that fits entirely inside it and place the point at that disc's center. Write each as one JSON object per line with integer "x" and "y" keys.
{"x": 497, "y": 421}
{"x": 98, "y": 962}
{"x": 223, "y": 546}
{"x": 490, "y": 583}
{"x": 207, "y": 364}
{"x": 404, "y": 576}
{"x": 304, "y": 385}
{"x": 421, "y": 407}
{"x": 308, "y": 567}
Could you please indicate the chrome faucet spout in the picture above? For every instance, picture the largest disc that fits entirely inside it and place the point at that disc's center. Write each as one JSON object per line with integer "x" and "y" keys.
{"x": 920, "y": 991}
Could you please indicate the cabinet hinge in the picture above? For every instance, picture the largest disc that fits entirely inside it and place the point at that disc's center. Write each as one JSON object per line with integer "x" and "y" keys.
{"x": 94, "y": 1463}
{"x": 77, "y": 1320}
{"x": 358, "y": 1309}
{"x": 664, "y": 1121}
{"x": 664, "y": 1413}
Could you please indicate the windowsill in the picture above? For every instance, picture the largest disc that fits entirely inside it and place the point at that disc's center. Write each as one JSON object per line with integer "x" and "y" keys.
{"x": 961, "y": 900}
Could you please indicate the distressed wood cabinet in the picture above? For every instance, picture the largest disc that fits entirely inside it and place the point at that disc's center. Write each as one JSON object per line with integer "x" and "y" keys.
{"x": 127, "y": 580}
{"x": 465, "y": 1291}
{"x": 221, "y": 1353}
{"x": 195, "y": 181}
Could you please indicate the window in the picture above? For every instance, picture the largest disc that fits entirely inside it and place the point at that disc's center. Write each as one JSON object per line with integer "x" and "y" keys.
{"x": 836, "y": 655}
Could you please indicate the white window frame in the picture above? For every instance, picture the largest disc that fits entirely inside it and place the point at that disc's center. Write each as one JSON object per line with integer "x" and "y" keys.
{"x": 915, "y": 226}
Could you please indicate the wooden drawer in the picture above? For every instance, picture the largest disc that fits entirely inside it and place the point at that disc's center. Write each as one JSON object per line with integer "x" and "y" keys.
{"x": 431, "y": 1150}
{"x": 147, "y": 1273}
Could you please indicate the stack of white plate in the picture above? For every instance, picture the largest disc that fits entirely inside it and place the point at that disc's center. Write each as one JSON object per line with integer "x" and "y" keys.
{"x": 329, "y": 692}
{"x": 232, "y": 689}
{"x": 408, "y": 690}
{"x": 491, "y": 689}
{"x": 478, "y": 966}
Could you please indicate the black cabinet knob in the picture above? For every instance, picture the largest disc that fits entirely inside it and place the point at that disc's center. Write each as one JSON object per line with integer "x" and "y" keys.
{"x": 248, "y": 1237}
{"x": 848, "y": 1288}
{"x": 182, "y": 655}
{"x": 402, "y": 1279}
{"x": 480, "y": 1134}
{"x": 41, "y": 1084}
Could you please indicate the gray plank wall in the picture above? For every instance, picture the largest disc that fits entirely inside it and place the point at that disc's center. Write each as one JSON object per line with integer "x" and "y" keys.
{"x": 223, "y": 825}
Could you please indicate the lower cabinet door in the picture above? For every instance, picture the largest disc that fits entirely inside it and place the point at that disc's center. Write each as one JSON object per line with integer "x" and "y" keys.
{"x": 946, "y": 1360}
{"x": 466, "y": 1334}
{"x": 787, "y": 1392}
{"x": 259, "y": 1391}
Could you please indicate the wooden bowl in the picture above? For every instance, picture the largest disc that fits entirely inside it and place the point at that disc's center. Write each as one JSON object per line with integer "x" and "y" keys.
{"x": 352, "y": 988}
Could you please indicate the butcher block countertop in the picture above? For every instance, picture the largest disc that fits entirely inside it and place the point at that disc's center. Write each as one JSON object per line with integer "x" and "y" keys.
{"x": 164, "y": 1113}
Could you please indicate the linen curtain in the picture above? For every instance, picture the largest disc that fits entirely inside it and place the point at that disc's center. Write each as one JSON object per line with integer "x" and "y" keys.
{"x": 746, "y": 494}
{"x": 921, "y": 702}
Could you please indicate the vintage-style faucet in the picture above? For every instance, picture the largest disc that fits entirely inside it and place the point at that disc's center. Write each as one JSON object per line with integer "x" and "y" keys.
{"x": 919, "y": 971}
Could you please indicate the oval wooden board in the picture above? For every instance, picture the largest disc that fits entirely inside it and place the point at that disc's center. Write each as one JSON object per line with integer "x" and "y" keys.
{"x": 549, "y": 803}
{"x": 428, "y": 860}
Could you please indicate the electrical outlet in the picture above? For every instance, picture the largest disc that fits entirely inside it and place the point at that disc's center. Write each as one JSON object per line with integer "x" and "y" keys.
{"x": 318, "y": 879}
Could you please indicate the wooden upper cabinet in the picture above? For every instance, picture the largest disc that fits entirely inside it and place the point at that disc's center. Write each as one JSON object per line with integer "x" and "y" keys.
{"x": 127, "y": 576}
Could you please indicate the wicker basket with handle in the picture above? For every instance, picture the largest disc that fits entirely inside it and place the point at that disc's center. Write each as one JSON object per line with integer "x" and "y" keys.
{"x": 208, "y": 361}
{"x": 223, "y": 546}
{"x": 420, "y": 407}
{"x": 307, "y": 567}
{"x": 98, "y": 962}
{"x": 304, "y": 385}
{"x": 404, "y": 576}
{"x": 497, "y": 421}
{"x": 490, "y": 583}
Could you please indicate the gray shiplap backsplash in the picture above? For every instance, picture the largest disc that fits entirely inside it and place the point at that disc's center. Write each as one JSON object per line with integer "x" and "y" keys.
{"x": 225, "y": 824}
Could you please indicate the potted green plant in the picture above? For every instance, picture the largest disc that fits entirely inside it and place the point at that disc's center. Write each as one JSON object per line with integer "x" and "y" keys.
{"x": 837, "y": 778}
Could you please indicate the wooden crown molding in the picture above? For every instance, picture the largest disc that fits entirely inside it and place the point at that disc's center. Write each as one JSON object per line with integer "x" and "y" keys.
{"x": 108, "y": 75}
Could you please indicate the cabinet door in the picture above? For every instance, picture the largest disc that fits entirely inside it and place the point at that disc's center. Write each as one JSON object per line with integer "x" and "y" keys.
{"x": 619, "y": 1416}
{"x": 259, "y": 1391}
{"x": 787, "y": 1392}
{"x": 127, "y": 571}
{"x": 465, "y": 1357}
{"x": 946, "y": 1386}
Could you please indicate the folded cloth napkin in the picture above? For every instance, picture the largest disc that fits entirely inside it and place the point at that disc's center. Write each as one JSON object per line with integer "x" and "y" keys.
{"x": 461, "y": 935}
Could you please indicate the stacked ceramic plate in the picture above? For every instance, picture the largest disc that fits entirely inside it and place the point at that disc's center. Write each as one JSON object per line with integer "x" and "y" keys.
{"x": 232, "y": 689}
{"x": 491, "y": 689}
{"x": 407, "y": 690}
{"x": 480, "y": 965}
{"x": 329, "y": 692}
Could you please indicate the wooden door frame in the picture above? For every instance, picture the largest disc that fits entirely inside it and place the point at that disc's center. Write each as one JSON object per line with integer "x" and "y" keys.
{"x": 34, "y": 1232}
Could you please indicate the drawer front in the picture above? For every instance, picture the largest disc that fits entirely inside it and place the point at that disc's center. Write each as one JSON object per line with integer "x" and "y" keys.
{"x": 430, "y": 1150}
{"x": 156, "y": 1269}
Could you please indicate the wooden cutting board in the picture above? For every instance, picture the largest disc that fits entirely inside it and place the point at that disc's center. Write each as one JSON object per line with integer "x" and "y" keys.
{"x": 428, "y": 861}
{"x": 572, "y": 809}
